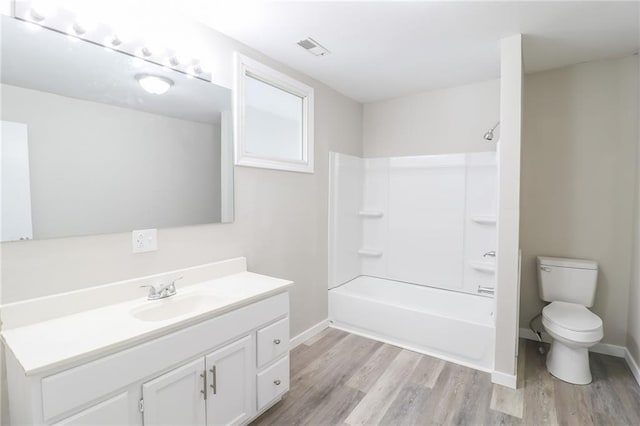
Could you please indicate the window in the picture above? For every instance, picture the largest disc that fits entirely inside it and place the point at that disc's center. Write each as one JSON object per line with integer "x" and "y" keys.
{"x": 274, "y": 119}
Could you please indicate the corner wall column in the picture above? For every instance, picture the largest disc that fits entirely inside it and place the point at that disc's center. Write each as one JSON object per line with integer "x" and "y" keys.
{"x": 508, "y": 268}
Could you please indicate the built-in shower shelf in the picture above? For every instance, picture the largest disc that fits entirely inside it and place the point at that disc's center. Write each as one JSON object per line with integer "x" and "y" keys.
{"x": 485, "y": 267}
{"x": 370, "y": 213}
{"x": 370, "y": 253}
{"x": 484, "y": 220}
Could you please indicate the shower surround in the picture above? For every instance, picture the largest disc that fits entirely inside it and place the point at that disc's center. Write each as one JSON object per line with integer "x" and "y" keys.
{"x": 412, "y": 245}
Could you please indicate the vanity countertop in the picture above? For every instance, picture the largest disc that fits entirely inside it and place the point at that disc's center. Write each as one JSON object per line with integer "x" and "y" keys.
{"x": 61, "y": 342}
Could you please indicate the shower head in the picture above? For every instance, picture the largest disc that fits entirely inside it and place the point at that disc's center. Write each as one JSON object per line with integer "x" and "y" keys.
{"x": 488, "y": 136}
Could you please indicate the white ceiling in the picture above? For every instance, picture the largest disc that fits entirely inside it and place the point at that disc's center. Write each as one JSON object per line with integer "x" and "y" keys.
{"x": 382, "y": 50}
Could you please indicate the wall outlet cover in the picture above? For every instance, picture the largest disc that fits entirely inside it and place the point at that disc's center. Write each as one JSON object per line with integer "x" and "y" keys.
{"x": 144, "y": 240}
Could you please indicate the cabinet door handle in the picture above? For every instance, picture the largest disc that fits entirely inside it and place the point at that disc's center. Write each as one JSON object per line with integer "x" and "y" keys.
{"x": 204, "y": 392}
{"x": 276, "y": 382}
{"x": 214, "y": 384}
{"x": 276, "y": 341}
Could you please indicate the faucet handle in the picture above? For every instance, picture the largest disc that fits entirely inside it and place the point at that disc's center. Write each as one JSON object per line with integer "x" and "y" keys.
{"x": 153, "y": 291}
{"x": 169, "y": 289}
{"x": 491, "y": 253}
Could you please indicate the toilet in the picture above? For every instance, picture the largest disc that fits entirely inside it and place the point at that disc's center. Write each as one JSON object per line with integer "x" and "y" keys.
{"x": 570, "y": 286}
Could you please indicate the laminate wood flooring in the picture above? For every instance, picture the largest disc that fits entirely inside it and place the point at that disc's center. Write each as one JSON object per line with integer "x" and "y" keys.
{"x": 339, "y": 378}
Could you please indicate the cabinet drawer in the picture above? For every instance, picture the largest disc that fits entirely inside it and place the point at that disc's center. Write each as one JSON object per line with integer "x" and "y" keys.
{"x": 273, "y": 341}
{"x": 273, "y": 382}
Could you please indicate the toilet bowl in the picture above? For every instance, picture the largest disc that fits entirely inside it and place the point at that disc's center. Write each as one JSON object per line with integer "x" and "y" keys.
{"x": 574, "y": 329}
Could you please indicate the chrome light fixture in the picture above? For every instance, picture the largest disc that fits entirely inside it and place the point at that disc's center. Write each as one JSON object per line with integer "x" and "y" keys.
{"x": 83, "y": 20}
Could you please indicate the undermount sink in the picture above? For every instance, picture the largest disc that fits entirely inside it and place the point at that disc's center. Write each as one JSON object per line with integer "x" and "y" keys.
{"x": 171, "y": 307}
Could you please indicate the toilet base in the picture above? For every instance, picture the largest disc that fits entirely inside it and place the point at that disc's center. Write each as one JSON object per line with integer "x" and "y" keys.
{"x": 570, "y": 364}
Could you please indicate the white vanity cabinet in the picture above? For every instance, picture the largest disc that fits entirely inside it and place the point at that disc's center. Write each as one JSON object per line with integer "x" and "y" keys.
{"x": 216, "y": 371}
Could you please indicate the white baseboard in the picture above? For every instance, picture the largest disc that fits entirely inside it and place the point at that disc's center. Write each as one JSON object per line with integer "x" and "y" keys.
{"x": 599, "y": 348}
{"x": 633, "y": 365}
{"x": 308, "y": 333}
{"x": 508, "y": 380}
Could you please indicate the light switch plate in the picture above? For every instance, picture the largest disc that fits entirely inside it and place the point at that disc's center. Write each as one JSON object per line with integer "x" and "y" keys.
{"x": 144, "y": 240}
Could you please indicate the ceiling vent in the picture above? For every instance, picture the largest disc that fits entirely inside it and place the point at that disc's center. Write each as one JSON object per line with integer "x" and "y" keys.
{"x": 313, "y": 47}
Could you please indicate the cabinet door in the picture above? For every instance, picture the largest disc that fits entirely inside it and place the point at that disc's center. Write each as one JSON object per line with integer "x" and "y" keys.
{"x": 177, "y": 397}
{"x": 231, "y": 383}
{"x": 114, "y": 411}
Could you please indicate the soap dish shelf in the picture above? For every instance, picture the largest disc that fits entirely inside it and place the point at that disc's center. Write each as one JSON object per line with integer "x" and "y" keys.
{"x": 370, "y": 213}
{"x": 484, "y": 220}
{"x": 370, "y": 253}
{"x": 487, "y": 268}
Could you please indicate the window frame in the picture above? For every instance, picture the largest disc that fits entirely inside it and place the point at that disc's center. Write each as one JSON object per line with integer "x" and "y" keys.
{"x": 245, "y": 66}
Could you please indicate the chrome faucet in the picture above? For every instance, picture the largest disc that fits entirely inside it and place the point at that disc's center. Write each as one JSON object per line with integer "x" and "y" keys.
{"x": 489, "y": 253}
{"x": 162, "y": 290}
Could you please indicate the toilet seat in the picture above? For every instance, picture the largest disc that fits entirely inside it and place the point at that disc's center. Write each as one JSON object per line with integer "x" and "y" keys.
{"x": 572, "y": 322}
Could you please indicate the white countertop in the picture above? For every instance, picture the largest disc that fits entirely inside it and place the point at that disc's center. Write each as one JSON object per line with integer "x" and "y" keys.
{"x": 68, "y": 340}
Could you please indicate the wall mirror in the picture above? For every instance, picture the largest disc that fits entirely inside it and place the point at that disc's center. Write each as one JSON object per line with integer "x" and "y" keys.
{"x": 86, "y": 149}
{"x": 274, "y": 118}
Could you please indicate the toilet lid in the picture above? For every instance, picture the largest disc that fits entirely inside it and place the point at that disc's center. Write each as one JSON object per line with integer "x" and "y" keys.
{"x": 572, "y": 316}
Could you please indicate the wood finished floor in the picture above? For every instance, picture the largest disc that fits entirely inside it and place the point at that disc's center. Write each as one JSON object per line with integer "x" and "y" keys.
{"x": 338, "y": 378}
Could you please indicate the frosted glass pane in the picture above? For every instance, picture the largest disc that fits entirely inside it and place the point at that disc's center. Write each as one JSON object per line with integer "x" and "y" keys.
{"x": 273, "y": 121}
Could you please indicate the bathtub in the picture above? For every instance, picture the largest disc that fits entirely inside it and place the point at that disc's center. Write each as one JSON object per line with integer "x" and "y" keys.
{"x": 456, "y": 327}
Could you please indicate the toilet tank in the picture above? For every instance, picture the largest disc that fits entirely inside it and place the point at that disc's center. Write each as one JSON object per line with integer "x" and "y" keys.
{"x": 567, "y": 280}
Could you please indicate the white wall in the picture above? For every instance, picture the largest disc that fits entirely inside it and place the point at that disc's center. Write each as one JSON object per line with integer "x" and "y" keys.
{"x": 443, "y": 121}
{"x": 345, "y": 225}
{"x": 507, "y": 269}
{"x": 578, "y": 179}
{"x": 98, "y": 168}
{"x": 425, "y": 232}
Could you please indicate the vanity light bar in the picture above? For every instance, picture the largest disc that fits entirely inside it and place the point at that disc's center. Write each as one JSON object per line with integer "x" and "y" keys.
{"x": 65, "y": 21}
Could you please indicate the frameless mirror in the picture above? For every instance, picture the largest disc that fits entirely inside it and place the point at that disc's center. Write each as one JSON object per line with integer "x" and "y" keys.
{"x": 87, "y": 150}
{"x": 275, "y": 119}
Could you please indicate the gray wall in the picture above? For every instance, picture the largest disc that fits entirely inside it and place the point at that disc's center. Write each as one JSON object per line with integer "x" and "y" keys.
{"x": 578, "y": 179}
{"x": 440, "y": 121}
{"x": 97, "y": 168}
{"x": 633, "y": 323}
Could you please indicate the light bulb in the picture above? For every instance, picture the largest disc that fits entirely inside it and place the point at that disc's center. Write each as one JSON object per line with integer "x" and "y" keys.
{"x": 78, "y": 29}
{"x": 154, "y": 84}
{"x": 36, "y": 15}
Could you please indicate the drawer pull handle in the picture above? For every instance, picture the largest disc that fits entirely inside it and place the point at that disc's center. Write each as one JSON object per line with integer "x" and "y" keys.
{"x": 214, "y": 380}
{"x": 276, "y": 341}
{"x": 204, "y": 392}
{"x": 276, "y": 382}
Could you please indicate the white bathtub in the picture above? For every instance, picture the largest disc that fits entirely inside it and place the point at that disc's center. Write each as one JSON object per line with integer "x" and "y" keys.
{"x": 457, "y": 327}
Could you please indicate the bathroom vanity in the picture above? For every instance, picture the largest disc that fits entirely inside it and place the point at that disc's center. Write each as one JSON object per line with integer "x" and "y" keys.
{"x": 215, "y": 353}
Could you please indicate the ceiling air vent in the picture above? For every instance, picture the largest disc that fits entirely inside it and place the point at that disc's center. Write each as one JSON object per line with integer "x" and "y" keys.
{"x": 313, "y": 47}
